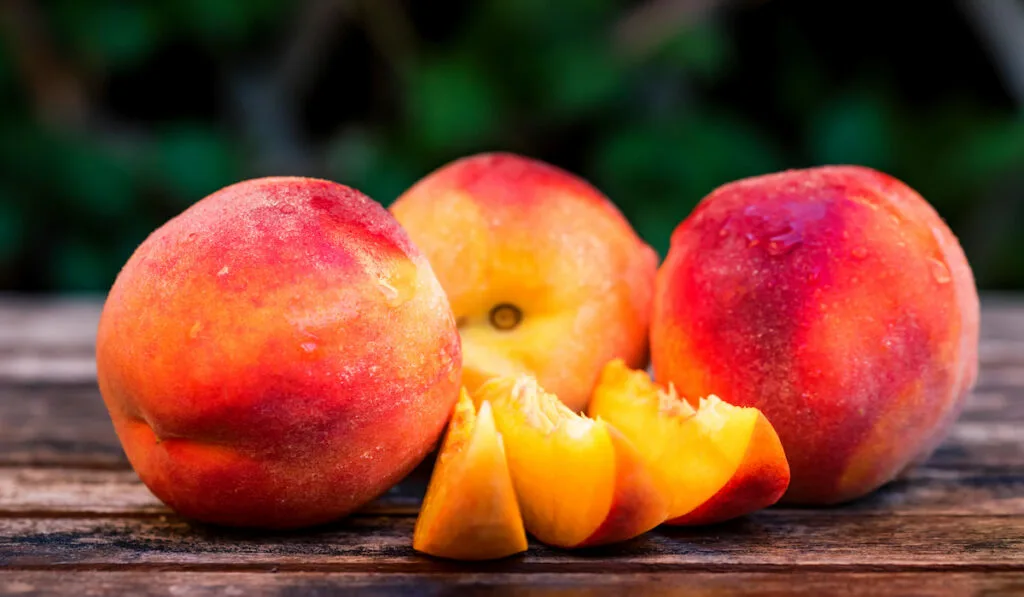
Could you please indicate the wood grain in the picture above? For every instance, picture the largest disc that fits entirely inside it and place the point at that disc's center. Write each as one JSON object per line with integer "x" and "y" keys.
{"x": 762, "y": 542}
{"x": 49, "y": 492}
{"x": 69, "y": 503}
{"x": 68, "y": 426}
{"x": 62, "y": 425}
{"x": 472, "y": 584}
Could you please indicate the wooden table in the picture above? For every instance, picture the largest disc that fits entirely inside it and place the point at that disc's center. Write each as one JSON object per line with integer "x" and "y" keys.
{"x": 75, "y": 519}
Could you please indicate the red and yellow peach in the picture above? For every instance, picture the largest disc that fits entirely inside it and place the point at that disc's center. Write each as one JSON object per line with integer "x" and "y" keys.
{"x": 277, "y": 355}
{"x": 545, "y": 276}
{"x": 837, "y": 302}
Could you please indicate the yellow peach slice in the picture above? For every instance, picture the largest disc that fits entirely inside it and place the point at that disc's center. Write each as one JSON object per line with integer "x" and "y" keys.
{"x": 715, "y": 462}
{"x": 579, "y": 482}
{"x": 470, "y": 510}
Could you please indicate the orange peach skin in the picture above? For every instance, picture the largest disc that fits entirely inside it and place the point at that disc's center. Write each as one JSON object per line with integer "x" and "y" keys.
{"x": 837, "y": 302}
{"x": 470, "y": 511}
{"x": 504, "y": 229}
{"x": 580, "y": 483}
{"x": 277, "y": 355}
{"x": 714, "y": 464}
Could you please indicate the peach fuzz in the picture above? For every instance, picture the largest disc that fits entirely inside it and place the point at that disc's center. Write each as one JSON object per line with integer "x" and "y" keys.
{"x": 470, "y": 511}
{"x": 837, "y": 302}
{"x": 277, "y": 355}
{"x": 714, "y": 463}
{"x": 545, "y": 276}
{"x": 579, "y": 482}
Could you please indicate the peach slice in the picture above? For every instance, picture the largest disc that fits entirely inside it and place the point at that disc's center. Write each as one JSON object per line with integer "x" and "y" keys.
{"x": 715, "y": 462}
{"x": 579, "y": 482}
{"x": 470, "y": 510}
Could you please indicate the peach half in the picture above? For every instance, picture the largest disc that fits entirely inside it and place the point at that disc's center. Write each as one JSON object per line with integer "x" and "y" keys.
{"x": 580, "y": 483}
{"x": 715, "y": 462}
{"x": 470, "y": 510}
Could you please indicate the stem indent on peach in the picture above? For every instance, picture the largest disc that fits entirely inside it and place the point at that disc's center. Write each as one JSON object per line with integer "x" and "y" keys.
{"x": 705, "y": 459}
{"x": 470, "y": 510}
{"x": 578, "y": 482}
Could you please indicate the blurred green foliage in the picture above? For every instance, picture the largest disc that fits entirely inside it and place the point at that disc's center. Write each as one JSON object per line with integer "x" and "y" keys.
{"x": 393, "y": 90}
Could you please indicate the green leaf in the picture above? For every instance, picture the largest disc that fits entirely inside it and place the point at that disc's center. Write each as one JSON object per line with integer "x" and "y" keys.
{"x": 991, "y": 150}
{"x": 225, "y": 20}
{"x": 361, "y": 160}
{"x": 192, "y": 161}
{"x": 578, "y": 76}
{"x": 119, "y": 34}
{"x": 702, "y": 49}
{"x": 853, "y": 130}
{"x": 91, "y": 176}
{"x": 451, "y": 104}
{"x": 12, "y": 226}
{"x": 78, "y": 266}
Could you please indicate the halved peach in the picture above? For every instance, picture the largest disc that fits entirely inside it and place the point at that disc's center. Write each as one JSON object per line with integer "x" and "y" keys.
{"x": 470, "y": 510}
{"x": 579, "y": 482}
{"x": 715, "y": 462}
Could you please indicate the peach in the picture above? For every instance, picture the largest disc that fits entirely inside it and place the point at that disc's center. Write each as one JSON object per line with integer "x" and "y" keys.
{"x": 714, "y": 463}
{"x": 837, "y": 302}
{"x": 277, "y": 355}
{"x": 470, "y": 511}
{"x": 579, "y": 482}
{"x": 544, "y": 274}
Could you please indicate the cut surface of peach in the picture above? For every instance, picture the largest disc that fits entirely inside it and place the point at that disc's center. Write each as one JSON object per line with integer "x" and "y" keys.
{"x": 714, "y": 462}
{"x": 470, "y": 510}
{"x": 579, "y": 482}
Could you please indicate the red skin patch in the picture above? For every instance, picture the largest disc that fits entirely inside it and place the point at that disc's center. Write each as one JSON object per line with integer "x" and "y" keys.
{"x": 834, "y": 300}
{"x": 277, "y": 355}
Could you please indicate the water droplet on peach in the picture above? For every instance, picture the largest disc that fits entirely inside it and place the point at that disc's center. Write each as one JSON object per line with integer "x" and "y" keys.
{"x": 308, "y": 346}
{"x": 784, "y": 241}
{"x": 939, "y": 271}
{"x": 391, "y": 294}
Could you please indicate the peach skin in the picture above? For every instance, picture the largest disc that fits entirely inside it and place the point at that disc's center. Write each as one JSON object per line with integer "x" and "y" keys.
{"x": 470, "y": 510}
{"x": 714, "y": 463}
{"x": 579, "y": 482}
{"x": 544, "y": 274}
{"x": 277, "y": 355}
{"x": 837, "y": 302}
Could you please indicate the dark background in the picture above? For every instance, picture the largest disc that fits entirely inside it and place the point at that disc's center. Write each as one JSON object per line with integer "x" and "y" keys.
{"x": 114, "y": 116}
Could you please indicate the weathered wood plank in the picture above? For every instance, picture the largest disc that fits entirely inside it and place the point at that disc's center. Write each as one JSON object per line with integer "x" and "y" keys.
{"x": 48, "y": 323}
{"x": 57, "y": 425}
{"x": 55, "y": 492}
{"x": 68, "y": 426}
{"x": 470, "y": 584}
{"x": 46, "y": 340}
{"x": 51, "y": 492}
{"x": 762, "y": 542}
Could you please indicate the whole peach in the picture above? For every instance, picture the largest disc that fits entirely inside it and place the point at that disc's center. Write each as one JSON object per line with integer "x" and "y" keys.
{"x": 835, "y": 300}
{"x": 277, "y": 355}
{"x": 545, "y": 276}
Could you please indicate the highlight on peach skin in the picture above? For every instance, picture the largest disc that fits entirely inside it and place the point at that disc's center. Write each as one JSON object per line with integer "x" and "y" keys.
{"x": 277, "y": 355}
{"x": 470, "y": 511}
{"x": 579, "y": 482}
{"x": 837, "y": 302}
{"x": 545, "y": 276}
{"x": 713, "y": 463}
